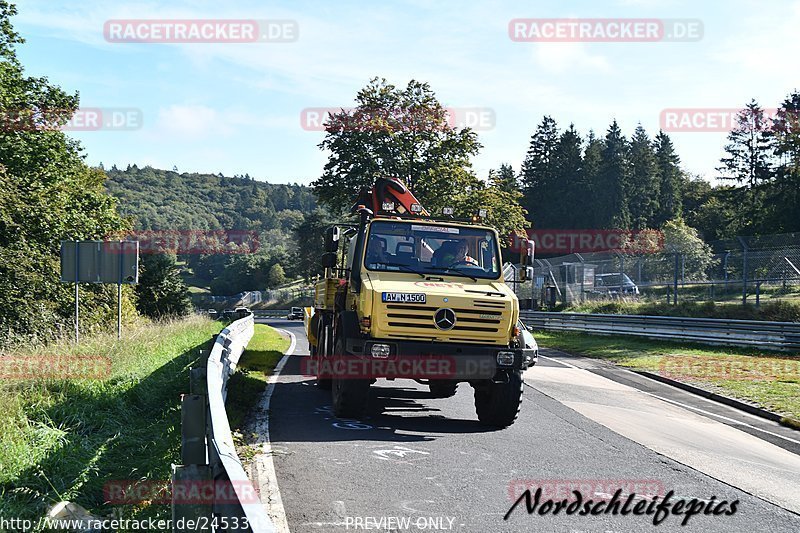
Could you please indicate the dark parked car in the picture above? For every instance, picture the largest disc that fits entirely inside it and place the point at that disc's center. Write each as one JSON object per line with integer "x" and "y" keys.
{"x": 615, "y": 285}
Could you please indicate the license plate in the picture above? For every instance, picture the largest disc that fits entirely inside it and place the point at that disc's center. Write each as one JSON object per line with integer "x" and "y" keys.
{"x": 403, "y": 297}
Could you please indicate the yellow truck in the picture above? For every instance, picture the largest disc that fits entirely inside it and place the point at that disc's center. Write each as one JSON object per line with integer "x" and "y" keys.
{"x": 406, "y": 295}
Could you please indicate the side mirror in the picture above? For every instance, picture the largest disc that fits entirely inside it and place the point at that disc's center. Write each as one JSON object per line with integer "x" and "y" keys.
{"x": 332, "y": 236}
{"x": 526, "y": 252}
{"x": 329, "y": 260}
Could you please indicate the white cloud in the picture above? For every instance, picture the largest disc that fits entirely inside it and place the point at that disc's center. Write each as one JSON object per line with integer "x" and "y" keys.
{"x": 567, "y": 57}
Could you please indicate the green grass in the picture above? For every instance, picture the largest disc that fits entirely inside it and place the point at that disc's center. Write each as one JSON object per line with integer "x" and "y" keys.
{"x": 258, "y": 361}
{"x": 64, "y": 439}
{"x": 779, "y": 310}
{"x": 766, "y": 379}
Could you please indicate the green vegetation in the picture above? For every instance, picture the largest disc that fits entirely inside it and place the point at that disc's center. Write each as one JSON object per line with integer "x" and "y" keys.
{"x": 766, "y": 379}
{"x": 572, "y": 182}
{"x": 406, "y": 133}
{"x": 168, "y": 200}
{"x": 780, "y": 310}
{"x": 47, "y": 194}
{"x": 161, "y": 292}
{"x": 263, "y": 352}
{"x": 64, "y": 439}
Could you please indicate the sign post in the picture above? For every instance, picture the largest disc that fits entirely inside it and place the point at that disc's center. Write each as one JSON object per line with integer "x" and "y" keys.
{"x": 99, "y": 262}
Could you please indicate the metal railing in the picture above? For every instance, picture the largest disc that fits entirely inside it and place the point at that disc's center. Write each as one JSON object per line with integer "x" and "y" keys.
{"x": 763, "y": 334}
{"x": 223, "y": 498}
{"x": 270, "y": 313}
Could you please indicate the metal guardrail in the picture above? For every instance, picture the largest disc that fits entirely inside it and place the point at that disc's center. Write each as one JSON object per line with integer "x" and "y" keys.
{"x": 270, "y": 313}
{"x": 763, "y": 334}
{"x": 223, "y": 498}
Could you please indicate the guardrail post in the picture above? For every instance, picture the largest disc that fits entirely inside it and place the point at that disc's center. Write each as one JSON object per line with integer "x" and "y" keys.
{"x": 193, "y": 429}
{"x": 191, "y": 504}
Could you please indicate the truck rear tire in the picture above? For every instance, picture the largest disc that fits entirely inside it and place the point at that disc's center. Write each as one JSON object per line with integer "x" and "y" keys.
{"x": 323, "y": 352}
{"x": 498, "y": 404}
{"x": 443, "y": 388}
{"x": 350, "y": 396}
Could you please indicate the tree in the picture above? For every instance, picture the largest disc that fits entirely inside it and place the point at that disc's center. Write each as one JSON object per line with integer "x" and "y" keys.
{"x": 47, "y": 194}
{"x": 276, "y": 276}
{"x": 161, "y": 293}
{"x": 567, "y": 196}
{"x": 750, "y": 151}
{"x": 402, "y": 133}
{"x": 538, "y": 172}
{"x": 784, "y": 193}
{"x": 697, "y": 257}
{"x": 613, "y": 182}
{"x": 504, "y": 179}
{"x": 669, "y": 181}
{"x": 310, "y": 237}
{"x": 590, "y": 178}
{"x": 644, "y": 187}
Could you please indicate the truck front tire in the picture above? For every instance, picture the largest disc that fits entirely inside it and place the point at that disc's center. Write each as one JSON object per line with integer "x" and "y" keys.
{"x": 498, "y": 404}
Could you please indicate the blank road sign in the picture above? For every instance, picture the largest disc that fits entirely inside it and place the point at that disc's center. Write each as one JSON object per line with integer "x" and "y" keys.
{"x": 100, "y": 262}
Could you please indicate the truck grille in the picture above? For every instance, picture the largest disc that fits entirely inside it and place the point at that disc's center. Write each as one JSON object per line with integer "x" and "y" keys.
{"x": 482, "y": 324}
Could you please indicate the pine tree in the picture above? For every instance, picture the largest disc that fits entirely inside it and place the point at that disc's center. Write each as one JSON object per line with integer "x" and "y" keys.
{"x": 613, "y": 181}
{"x": 644, "y": 183}
{"x": 669, "y": 177}
{"x": 504, "y": 179}
{"x": 784, "y": 193}
{"x": 749, "y": 162}
{"x": 567, "y": 197}
{"x": 590, "y": 178}
{"x": 538, "y": 171}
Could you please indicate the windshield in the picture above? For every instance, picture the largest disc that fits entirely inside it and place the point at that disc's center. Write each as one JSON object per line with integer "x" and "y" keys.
{"x": 432, "y": 249}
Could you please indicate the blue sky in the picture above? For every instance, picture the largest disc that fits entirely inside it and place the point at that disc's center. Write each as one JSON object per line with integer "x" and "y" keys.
{"x": 236, "y": 108}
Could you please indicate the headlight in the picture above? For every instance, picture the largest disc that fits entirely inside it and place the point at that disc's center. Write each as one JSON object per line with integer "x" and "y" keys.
{"x": 505, "y": 358}
{"x": 381, "y": 351}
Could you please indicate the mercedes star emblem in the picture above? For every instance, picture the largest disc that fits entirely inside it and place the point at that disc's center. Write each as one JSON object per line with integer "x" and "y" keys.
{"x": 444, "y": 318}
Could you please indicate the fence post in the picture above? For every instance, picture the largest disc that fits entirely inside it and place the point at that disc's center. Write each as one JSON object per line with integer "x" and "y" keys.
{"x": 744, "y": 270}
{"x": 675, "y": 281}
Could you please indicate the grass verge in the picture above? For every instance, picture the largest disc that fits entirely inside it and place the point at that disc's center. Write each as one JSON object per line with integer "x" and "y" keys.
{"x": 780, "y": 310}
{"x": 258, "y": 361}
{"x": 769, "y": 380}
{"x": 64, "y": 439}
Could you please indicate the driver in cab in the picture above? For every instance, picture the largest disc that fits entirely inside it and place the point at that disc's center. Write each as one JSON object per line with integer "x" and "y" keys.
{"x": 454, "y": 253}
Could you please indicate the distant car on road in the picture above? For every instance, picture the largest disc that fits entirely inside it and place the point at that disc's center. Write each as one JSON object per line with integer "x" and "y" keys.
{"x": 241, "y": 312}
{"x": 295, "y": 313}
{"x": 615, "y": 285}
{"x": 213, "y": 314}
{"x": 228, "y": 314}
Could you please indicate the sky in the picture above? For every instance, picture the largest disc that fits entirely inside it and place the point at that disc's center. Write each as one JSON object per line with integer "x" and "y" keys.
{"x": 243, "y": 108}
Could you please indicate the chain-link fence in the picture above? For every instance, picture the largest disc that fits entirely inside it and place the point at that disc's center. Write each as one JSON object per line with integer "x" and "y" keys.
{"x": 744, "y": 270}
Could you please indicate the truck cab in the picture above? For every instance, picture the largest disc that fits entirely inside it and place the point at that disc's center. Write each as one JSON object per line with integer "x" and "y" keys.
{"x": 409, "y": 296}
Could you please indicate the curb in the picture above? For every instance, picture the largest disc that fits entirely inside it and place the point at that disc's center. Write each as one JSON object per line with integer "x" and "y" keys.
{"x": 742, "y": 406}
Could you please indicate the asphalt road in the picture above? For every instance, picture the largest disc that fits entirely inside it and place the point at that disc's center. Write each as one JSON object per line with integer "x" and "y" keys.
{"x": 413, "y": 463}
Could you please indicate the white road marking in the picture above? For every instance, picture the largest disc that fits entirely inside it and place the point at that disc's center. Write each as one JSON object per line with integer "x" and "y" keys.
{"x": 264, "y": 466}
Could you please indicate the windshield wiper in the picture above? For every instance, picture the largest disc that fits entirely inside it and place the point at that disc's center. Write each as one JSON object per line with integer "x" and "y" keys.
{"x": 401, "y": 265}
{"x": 454, "y": 269}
